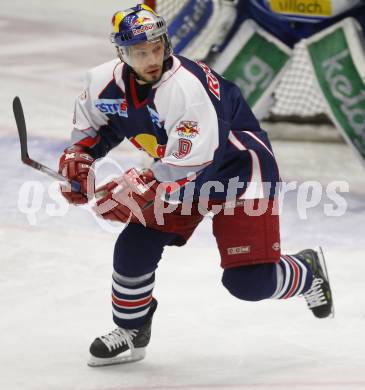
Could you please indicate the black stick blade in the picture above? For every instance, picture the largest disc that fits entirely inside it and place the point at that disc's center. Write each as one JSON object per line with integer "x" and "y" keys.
{"x": 22, "y": 128}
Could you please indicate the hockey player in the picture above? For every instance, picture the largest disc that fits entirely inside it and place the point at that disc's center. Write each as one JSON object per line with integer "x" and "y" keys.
{"x": 205, "y": 142}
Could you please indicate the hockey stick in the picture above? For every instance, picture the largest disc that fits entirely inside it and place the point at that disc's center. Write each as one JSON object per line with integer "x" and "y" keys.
{"x": 22, "y": 130}
{"x": 75, "y": 185}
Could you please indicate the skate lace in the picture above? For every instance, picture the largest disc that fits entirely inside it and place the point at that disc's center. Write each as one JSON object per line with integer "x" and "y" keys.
{"x": 119, "y": 337}
{"x": 315, "y": 295}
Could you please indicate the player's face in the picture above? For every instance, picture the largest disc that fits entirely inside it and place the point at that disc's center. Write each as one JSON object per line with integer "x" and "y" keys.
{"x": 147, "y": 60}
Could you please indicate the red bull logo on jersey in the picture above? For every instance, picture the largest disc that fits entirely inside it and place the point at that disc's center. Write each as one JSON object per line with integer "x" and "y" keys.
{"x": 188, "y": 129}
{"x": 112, "y": 107}
{"x": 149, "y": 144}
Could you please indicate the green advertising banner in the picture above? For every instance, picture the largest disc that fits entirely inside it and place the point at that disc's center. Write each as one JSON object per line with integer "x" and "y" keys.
{"x": 341, "y": 84}
{"x": 255, "y": 67}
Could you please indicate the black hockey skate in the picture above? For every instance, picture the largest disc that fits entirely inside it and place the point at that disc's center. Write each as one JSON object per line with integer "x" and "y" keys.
{"x": 122, "y": 345}
{"x": 319, "y": 296}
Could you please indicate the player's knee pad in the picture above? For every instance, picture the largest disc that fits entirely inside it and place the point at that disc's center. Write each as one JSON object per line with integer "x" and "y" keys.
{"x": 251, "y": 282}
{"x": 139, "y": 249}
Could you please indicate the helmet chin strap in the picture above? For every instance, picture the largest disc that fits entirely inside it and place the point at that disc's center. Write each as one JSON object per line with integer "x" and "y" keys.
{"x": 120, "y": 56}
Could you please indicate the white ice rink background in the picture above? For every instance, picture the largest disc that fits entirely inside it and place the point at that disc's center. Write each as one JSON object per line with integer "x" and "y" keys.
{"x": 55, "y": 265}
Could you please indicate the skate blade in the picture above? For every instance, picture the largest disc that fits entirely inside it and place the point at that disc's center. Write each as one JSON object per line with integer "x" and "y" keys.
{"x": 134, "y": 356}
{"x": 324, "y": 267}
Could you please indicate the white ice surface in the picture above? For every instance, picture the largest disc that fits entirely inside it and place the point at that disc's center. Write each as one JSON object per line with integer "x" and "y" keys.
{"x": 55, "y": 274}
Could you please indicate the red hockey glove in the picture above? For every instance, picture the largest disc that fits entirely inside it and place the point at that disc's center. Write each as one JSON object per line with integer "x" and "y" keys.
{"x": 76, "y": 165}
{"x": 133, "y": 192}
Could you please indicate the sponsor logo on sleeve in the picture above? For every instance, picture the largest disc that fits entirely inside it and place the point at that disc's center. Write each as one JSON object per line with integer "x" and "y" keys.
{"x": 212, "y": 81}
{"x": 188, "y": 129}
{"x": 113, "y": 107}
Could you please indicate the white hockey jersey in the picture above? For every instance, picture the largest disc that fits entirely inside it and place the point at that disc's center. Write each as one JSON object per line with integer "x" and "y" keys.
{"x": 191, "y": 121}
